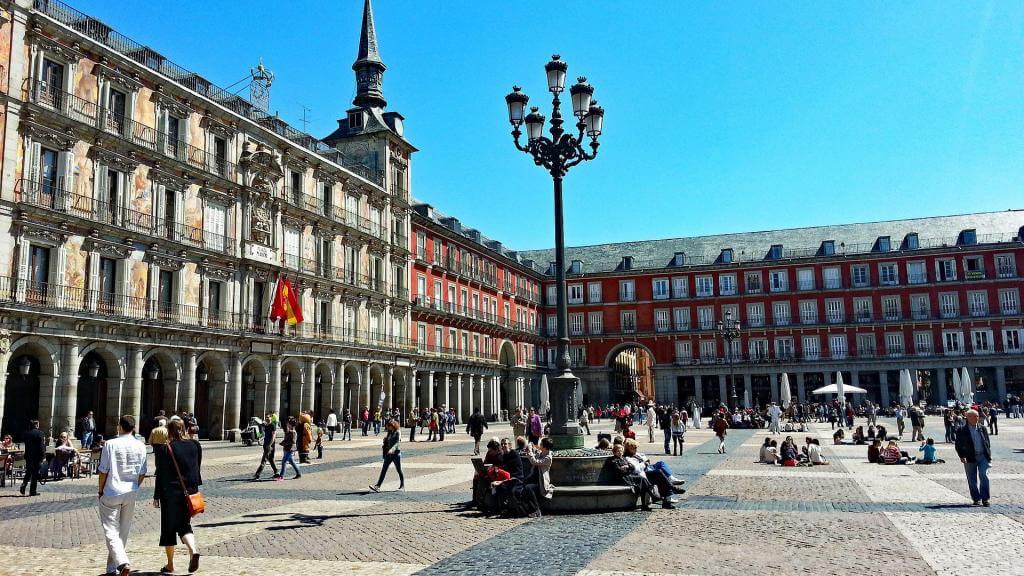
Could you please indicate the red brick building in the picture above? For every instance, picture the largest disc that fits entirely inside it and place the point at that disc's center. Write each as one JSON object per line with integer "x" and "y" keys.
{"x": 474, "y": 317}
{"x": 929, "y": 294}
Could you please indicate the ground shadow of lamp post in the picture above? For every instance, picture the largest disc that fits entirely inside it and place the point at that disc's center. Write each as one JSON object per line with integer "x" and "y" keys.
{"x": 729, "y": 330}
{"x": 557, "y": 155}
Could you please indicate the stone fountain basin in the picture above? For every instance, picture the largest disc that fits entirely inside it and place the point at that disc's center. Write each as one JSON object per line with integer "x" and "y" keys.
{"x": 584, "y": 484}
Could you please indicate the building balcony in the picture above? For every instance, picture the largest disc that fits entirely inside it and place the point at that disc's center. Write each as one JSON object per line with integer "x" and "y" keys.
{"x": 979, "y": 310}
{"x": 804, "y": 285}
{"x": 464, "y": 270}
{"x": 351, "y": 219}
{"x": 128, "y": 130}
{"x": 1006, "y": 272}
{"x": 457, "y": 312}
{"x": 917, "y": 279}
{"x": 453, "y": 353}
{"x": 808, "y": 317}
{"x": 400, "y": 193}
{"x": 52, "y": 197}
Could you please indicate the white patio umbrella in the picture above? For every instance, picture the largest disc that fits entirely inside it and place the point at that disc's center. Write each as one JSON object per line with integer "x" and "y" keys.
{"x": 957, "y": 388}
{"x": 840, "y": 386}
{"x": 968, "y": 384}
{"x": 834, "y": 389}
{"x": 906, "y": 388}
{"x": 784, "y": 392}
{"x": 545, "y": 394}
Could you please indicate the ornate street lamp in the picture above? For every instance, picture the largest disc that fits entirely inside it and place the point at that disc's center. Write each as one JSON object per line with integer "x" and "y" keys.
{"x": 92, "y": 368}
{"x": 202, "y": 374}
{"x": 24, "y": 366}
{"x": 152, "y": 371}
{"x": 729, "y": 330}
{"x": 557, "y": 154}
{"x": 249, "y": 378}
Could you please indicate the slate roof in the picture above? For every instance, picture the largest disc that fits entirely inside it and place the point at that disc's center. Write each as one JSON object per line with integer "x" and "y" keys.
{"x": 796, "y": 242}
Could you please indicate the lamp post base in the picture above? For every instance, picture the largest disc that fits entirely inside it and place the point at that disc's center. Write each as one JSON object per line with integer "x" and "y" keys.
{"x": 566, "y": 433}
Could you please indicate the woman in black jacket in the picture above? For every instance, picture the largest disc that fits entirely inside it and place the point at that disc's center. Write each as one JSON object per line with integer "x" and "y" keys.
{"x": 169, "y": 495}
{"x": 392, "y": 453}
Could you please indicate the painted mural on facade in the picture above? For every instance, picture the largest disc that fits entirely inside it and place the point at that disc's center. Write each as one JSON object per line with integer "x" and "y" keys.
{"x": 145, "y": 108}
{"x": 83, "y": 173}
{"x": 192, "y": 283}
{"x": 139, "y": 280}
{"x": 75, "y": 268}
{"x": 86, "y": 83}
{"x": 193, "y": 213}
{"x": 142, "y": 197}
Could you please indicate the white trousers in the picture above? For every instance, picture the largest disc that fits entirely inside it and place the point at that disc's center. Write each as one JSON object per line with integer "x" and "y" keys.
{"x": 116, "y": 513}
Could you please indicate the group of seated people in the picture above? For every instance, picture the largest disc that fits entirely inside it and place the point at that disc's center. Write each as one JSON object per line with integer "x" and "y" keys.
{"x": 860, "y": 437}
{"x": 652, "y": 481}
{"x": 789, "y": 455}
{"x": 892, "y": 454}
{"x": 795, "y": 427}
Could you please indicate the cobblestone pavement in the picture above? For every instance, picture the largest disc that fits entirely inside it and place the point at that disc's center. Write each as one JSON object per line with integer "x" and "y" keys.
{"x": 738, "y": 517}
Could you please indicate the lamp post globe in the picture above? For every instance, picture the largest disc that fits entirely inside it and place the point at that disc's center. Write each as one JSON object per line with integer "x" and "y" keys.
{"x": 557, "y": 154}
{"x": 729, "y": 331}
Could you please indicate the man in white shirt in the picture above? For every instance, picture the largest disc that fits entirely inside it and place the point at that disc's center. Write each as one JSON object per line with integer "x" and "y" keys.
{"x": 332, "y": 423}
{"x": 652, "y": 420}
{"x": 121, "y": 471}
{"x": 775, "y": 413}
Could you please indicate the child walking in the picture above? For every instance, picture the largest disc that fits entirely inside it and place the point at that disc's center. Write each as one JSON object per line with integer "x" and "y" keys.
{"x": 289, "y": 443}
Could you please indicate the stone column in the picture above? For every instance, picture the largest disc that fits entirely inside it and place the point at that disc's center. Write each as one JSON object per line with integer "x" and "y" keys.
{"x": 430, "y": 389}
{"x": 364, "y": 390}
{"x": 132, "y": 399}
{"x": 747, "y": 391}
{"x": 187, "y": 398}
{"x": 883, "y": 388}
{"x": 339, "y": 389}
{"x": 389, "y": 387}
{"x": 459, "y": 411}
{"x": 698, "y": 394}
{"x": 855, "y": 381}
{"x": 469, "y": 395}
{"x": 496, "y": 394}
{"x": 274, "y": 392}
{"x": 68, "y": 392}
{"x": 1001, "y": 384}
{"x": 774, "y": 385}
{"x": 940, "y": 385}
{"x": 309, "y": 386}
{"x": 410, "y": 393}
{"x": 233, "y": 398}
{"x": 483, "y": 405}
{"x": 445, "y": 394}
{"x": 723, "y": 389}
{"x": 801, "y": 390}
{"x": 5, "y": 357}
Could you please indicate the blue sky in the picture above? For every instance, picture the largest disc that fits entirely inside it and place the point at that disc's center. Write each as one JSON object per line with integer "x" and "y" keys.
{"x": 720, "y": 117}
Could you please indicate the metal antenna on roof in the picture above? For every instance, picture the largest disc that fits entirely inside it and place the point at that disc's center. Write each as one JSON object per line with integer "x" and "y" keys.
{"x": 259, "y": 86}
{"x": 305, "y": 118}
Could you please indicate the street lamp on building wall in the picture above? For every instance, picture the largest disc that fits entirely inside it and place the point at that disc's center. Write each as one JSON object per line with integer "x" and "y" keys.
{"x": 729, "y": 330}
{"x": 557, "y": 154}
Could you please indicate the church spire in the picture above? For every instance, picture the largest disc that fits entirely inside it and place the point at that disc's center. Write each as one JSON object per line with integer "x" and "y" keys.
{"x": 369, "y": 68}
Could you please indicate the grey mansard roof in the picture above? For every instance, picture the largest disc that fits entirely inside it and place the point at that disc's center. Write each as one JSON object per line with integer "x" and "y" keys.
{"x": 796, "y": 242}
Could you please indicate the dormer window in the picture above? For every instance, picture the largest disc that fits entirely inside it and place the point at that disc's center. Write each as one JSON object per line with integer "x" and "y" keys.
{"x": 726, "y": 256}
{"x": 828, "y": 248}
{"x": 775, "y": 253}
{"x": 355, "y": 120}
{"x": 884, "y": 245}
{"x": 968, "y": 237}
{"x": 911, "y": 242}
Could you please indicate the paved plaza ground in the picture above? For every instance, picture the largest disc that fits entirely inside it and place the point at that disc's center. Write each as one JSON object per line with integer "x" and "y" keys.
{"x": 738, "y": 517}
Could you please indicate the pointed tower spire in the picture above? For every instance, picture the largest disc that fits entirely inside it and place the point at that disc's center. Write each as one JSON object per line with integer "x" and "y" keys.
{"x": 369, "y": 68}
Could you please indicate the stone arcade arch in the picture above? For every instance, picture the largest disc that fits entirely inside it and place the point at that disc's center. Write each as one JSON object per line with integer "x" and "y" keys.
{"x": 630, "y": 372}
{"x": 101, "y": 392}
{"x": 24, "y": 398}
{"x": 507, "y": 395}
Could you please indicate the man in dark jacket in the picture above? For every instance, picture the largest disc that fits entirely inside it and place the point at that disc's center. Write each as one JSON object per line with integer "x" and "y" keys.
{"x": 975, "y": 452}
{"x": 35, "y": 451}
{"x": 269, "y": 447}
{"x": 475, "y": 428}
{"x": 511, "y": 461}
{"x": 665, "y": 423}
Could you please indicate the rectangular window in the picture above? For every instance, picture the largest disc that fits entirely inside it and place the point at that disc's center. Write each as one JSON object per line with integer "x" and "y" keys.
{"x": 551, "y": 295}
{"x": 837, "y": 346}
{"x": 1011, "y": 340}
{"x": 165, "y": 292}
{"x": 575, "y": 293}
{"x": 949, "y": 304}
{"x": 594, "y": 292}
{"x": 917, "y": 273}
{"x": 981, "y": 340}
{"x": 860, "y": 276}
{"x": 706, "y": 317}
{"x": 920, "y": 308}
{"x": 923, "y": 343}
{"x": 974, "y": 268}
{"x": 758, "y": 349}
{"x": 579, "y": 355}
{"x": 779, "y": 280}
{"x": 684, "y": 354}
{"x": 811, "y": 348}
{"x": 627, "y": 293}
{"x": 951, "y": 343}
{"x": 680, "y": 288}
{"x": 421, "y": 246}
{"x": 784, "y": 349}
{"x": 781, "y": 314}
{"x": 596, "y": 322}
{"x": 576, "y": 324}
{"x": 808, "y": 311}
{"x": 682, "y": 318}
{"x": 628, "y": 320}
{"x": 891, "y": 308}
{"x": 1009, "y": 303}
{"x": 660, "y": 288}
{"x": 946, "y": 270}
{"x": 291, "y": 248}
{"x": 1006, "y": 266}
{"x": 755, "y": 314}
{"x": 752, "y": 280}
{"x": 727, "y": 284}
{"x": 978, "y": 303}
{"x": 866, "y": 345}
{"x": 862, "y": 309}
{"x": 52, "y": 83}
{"x": 805, "y": 279}
{"x": 832, "y": 276}
{"x": 887, "y": 275}
{"x": 708, "y": 350}
{"x": 662, "y": 320}
{"x": 552, "y": 325}
{"x": 107, "y": 283}
{"x": 834, "y": 311}
{"x": 705, "y": 286}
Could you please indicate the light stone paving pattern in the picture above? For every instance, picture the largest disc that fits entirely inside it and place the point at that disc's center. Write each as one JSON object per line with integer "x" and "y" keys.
{"x": 738, "y": 517}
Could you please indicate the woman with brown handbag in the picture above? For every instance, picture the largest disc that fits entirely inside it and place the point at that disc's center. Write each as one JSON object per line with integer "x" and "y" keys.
{"x": 177, "y": 494}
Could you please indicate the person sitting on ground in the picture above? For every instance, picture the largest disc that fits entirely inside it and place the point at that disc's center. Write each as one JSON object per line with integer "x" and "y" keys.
{"x": 814, "y": 455}
{"x": 762, "y": 454}
{"x": 771, "y": 453}
{"x": 788, "y": 427}
{"x": 871, "y": 432}
{"x": 858, "y": 436}
{"x": 837, "y": 437}
{"x": 788, "y": 452}
{"x": 928, "y": 447}
{"x": 803, "y": 427}
{"x": 880, "y": 432}
{"x": 892, "y": 454}
{"x": 874, "y": 451}
{"x": 632, "y": 477}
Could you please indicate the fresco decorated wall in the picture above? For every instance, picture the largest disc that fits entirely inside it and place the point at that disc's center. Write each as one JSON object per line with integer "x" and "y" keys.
{"x": 86, "y": 83}
{"x": 139, "y": 277}
{"x": 193, "y": 210}
{"x": 142, "y": 194}
{"x": 82, "y": 173}
{"x": 192, "y": 284}
{"x": 145, "y": 108}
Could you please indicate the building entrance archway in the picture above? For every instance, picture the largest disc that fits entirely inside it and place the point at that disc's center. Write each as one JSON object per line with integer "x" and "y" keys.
{"x": 92, "y": 392}
{"x": 631, "y": 374}
{"x": 21, "y": 395}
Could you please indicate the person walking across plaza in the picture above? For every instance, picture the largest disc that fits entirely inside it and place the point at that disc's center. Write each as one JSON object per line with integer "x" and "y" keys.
{"x": 475, "y": 428}
{"x": 584, "y": 420}
{"x": 269, "y": 447}
{"x": 975, "y": 452}
{"x": 288, "y": 445}
{"x": 392, "y": 455}
{"x": 346, "y": 425}
{"x": 775, "y": 413}
{"x": 122, "y": 470}
{"x": 720, "y": 426}
{"x": 332, "y": 425}
{"x": 88, "y": 430}
{"x": 35, "y": 452}
{"x": 652, "y": 421}
{"x": 178, "y": 474}
{"x": 665, "y": 423}
{"x": 534, "y": 427}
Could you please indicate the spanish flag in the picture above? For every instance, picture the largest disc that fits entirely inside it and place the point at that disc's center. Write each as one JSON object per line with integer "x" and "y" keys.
{"x": 286, "y": 303}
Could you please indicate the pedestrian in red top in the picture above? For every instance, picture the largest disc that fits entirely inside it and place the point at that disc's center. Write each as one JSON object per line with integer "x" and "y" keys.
{"x": 720, "y": 426}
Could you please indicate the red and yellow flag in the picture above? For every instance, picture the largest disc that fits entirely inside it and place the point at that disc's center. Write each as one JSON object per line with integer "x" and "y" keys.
{"x": 286, "y": 303}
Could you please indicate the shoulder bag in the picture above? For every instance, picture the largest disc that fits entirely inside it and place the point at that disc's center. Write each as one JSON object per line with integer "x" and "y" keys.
{"x": 195, "y": 502}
